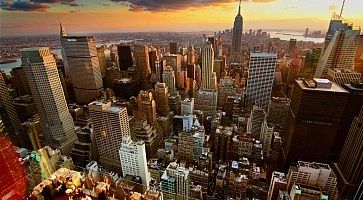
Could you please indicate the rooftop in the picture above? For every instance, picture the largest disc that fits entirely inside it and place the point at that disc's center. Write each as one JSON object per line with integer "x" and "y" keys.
{"x": 334, "y": 87}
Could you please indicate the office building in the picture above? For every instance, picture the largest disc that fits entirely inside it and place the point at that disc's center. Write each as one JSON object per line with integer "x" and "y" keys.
{"x": 223, "y": 142}
{"x": 42, "y": 74}
{"x": 102, "y": 60}
{"x": 150, "y": 134}
{"x": 313, "y": 114}
{"x": 175, "y": 182}
{"x": 278, "y": 111}
{"x": 85, "y": 149}
{"x": 191, "y": 55}
{"x": 237, "y": 37}
{"x": 21, "y": 83}
{"x": 358, "y": 65}
{"x": 206, "y": 101}
{"x": 174, "y": 61}
{"x": 209, "y": 78}
{"x": 173, "y": 48}
{"x": 153, "y": 57}
{"x": 162, "y": 99}
{"x": 267, "y": 131}
{"x": 340, "y": 51}
{"x": 187, "y": 106}
{"x": 292, "y": 47}
{"x": 124, "y": 57}
{"x": 349, "y": 167}
{"x": 146, "y": 107}
{"x": 260, "y": 78}
{"x": 142, "y": 70}
{"x": 169, "y": 80}
{"x": 13, "y": 179}
{"x": 8, "y": 113}
{"x": 313, "y": 174}
{"x": 133, "y": 160}
{"x": 311, "y": 60}
{"x": 342, "y": 76}
{"x": 254, "y": 123}
{"x": 226, "y": 88}
{"x": 110, "y": 124}
{"x": 278, "y": 182}
{"x": 80, "y": 53}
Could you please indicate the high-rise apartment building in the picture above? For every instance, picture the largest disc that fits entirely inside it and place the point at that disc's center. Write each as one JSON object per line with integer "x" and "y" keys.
{"x": 313, "y": 174}
{"x": 56, "y": 121}
{"x": 143, "y": 70}
{"x": 340, "y": 51}
{"x": 209, "y": 79}
{"x": 237, "y": 36}
{"x": 124, "y": 57}
{"x": 162, "y": 99}
{"x": 133, "y": 160}
{"x": 261, "y": 72}
{"x": 314, "y": 120}
{"x": 349, "y": 167}
{"x": 83, "y": 65}
{"x": 110, "y": 124}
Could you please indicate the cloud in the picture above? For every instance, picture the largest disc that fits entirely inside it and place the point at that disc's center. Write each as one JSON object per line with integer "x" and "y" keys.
{"x": 22, "y": 6}
{"x": 33, "y": 5}
{"x": 168, "y": 5}
{"x": 290, "y": 7}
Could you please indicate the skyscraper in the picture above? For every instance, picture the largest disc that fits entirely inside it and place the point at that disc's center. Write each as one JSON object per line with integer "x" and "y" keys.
{"x": 146, "y": 107}
{"x": 349, "y": 168}
{"x": 169, "y": 80}
{"x": 191, "y": 55}
{"x": 125, "y": 57}
{"x": 110, "y": 124}
{"x": 209, "y": 80}
{"x": 56, "y": 121}
{"x": 21, "y": 83}
{"x": 143, "y": 70}
{"x": 162, "y": 99}
{"x": 133, "y": 160}
{"x": 292, "y": 46}
{"x": 13, "y": 179}
{"x": 173, "y": 48}
{"x": 260, "y": 78}
{"x": 314, "y": 120}
{"x": 8, "y": 112}
{"x": 83, "y": 65}
{"x": 340, "y": 51}
{"x": 237, "y": 36}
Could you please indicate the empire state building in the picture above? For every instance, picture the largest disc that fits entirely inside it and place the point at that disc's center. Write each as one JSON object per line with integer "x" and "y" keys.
{"x": 237, "y": 36}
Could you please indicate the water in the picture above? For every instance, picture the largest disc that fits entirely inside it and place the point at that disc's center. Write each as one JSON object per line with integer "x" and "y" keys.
{"x": 6, "y": 67}
{"x": 287, "y": 35}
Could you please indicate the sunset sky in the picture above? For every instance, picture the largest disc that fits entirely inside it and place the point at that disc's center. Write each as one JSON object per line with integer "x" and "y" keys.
{"x": 91, "y": 16}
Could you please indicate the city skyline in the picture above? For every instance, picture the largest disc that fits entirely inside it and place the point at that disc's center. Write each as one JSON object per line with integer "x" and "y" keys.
{"x": 157, "y": 16}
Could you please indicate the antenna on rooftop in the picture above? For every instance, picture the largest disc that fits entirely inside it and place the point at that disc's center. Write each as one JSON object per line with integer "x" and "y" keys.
{"x": 341, "y": 10}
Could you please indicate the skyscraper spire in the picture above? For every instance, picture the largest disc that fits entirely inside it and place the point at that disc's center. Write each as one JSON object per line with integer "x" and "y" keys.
{"x": 239, "y": 8}
{"x": 62, "y": 31}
